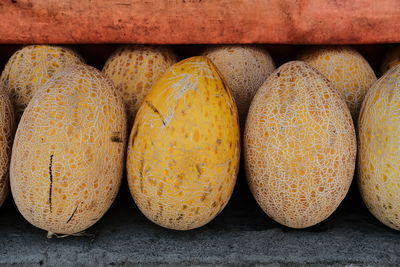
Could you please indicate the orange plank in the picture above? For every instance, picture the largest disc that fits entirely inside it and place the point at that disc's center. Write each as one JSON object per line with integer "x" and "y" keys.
{"x": 200, "y": 21}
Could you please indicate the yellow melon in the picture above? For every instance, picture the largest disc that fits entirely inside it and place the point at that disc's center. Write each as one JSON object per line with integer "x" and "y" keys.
{"x": 299, "y": 146}
{"x": 68, "y": 152}
{"x": 134, "y": 69}
{"x": 244, "y": 68}
{"x": 31, "y": 67}
{"x": 349, "y": 72}
{"x": 391, "y": 59}
{"x": 6, "y": 136}
{"x": 184, "y": 148}
{"x": 379, "y": 150}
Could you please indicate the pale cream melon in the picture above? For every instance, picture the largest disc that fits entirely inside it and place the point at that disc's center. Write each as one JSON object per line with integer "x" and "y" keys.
{"x": 391, "y": 59}
{"x": 6, "y": 137}
{"x": 299, "y": 146}
{"x": 379, "y": 149}
{"x": 244, "y": 68}
{"x": 68, "y": 153}
{"x": 31, "y": 67}
{"x": 349, "y": 72}
{"x": 135, "y": 68}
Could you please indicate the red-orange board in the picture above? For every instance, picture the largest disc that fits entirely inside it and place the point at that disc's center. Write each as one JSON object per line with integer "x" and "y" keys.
{"x": 200, "y": 21}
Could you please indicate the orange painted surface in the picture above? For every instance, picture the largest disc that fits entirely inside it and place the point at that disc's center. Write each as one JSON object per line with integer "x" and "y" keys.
{"x": 200, "y": 21}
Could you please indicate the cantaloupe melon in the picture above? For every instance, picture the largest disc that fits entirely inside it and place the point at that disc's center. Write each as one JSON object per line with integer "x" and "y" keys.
{"x": 184, "y": 148}
{"x": 31, "y": 67}
{"x": 349, "y": 72}
{"x": 134, "y": 69}
{"x": 299, "y": 146}
{"x": 392, "y": 58}
{"x": 379, "y": 149}
{"x": 6, "y": 136}
{"x": 244, "y": 68}
{"x": 68, "y": 152}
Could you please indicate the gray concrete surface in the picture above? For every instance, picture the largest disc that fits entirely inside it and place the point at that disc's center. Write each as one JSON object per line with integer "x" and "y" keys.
{"x": 241, "y": 235}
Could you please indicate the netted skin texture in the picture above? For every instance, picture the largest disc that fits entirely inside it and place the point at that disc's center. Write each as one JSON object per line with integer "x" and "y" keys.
{"x": 379, "y": 149}
{"x": 347, "y": 69}
{"x": 31, "y": 67}
{"x": 134, "y": 69}
{"x": 392, "y": 58}
{"x": 68, "y": 152}
{"x": 184, "y": 148}
{"x": 6, "y": 137}
{"x": 299, "y": 146}
{"x": 244, "y": 68}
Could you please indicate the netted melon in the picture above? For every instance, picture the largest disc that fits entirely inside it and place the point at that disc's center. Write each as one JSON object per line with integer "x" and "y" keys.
{"x": 134, "y": 69}
{"x": 244, "y": 68}
{"x": 299, "y": 146}
{"x": 31, "y": 67}
{"x": 349, "y": 72}
{"x": 379, "y": 149}
{"x": 6, "y": 136}
{"x": 184, "y": 148}
{"x": 68, "y": 152}
{"x": 391, "y": 59}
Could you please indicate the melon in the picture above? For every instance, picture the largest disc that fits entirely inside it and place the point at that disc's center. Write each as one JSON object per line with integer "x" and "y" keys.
{"x": 379, "y": 149}
{"x": 349, "y": 72}
{"x": 244, "y": 68}
{"x": 299, "y": 146}
{"x": 6, "y": 136}
{"x": 31, "y": 67}
{"x": 68, "y": 153}
{"x": 183, "y": 151}
{"x": 134, "y": 69}
{"x": 391, "y": 59}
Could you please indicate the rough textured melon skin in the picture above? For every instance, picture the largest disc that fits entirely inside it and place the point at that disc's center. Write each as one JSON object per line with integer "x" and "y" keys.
{"x": 349, "y": 72}
{"x": 299, "y": 145}
{"x": 184, "y": 148}
{"x": 68, "y": 152}
{"x": 134, "y": 69}
{"x": 32, "y": 66}
{"x": 391, "y": 59}
{"x": 379, "y": 151}
{"x": 244, "y": 68}
{"x": 6, "y": 137}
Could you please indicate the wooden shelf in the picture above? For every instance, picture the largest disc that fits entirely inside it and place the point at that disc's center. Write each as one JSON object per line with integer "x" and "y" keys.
{"x": 200, "y": 21}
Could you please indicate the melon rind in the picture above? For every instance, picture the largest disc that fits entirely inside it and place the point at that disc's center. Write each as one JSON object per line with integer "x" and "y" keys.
{"x": 184, "y": 148}
{"x": 68, "y": 153}
{"x": 379, "y": 149}
{"x": 31, "y": 67}
{"x": 299, "y": 146}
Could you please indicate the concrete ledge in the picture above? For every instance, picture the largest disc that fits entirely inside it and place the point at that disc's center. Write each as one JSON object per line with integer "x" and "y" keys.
{"x": 241, "y": 234}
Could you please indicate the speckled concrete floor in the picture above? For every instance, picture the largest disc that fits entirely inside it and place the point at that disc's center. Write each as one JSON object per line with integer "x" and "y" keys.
{"x": 241, "y": 235}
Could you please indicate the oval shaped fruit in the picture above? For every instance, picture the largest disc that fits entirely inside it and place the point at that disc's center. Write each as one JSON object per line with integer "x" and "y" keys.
{"x": 68, "y": 152}
{"x": 135, "y": 68}
{"x": 184, "y": 148}
{"x": 349, "y": 72}
{"x": 244, "y": 68}
{"x": 379, "y": 151}
{"x": 6, "y": 137}
{"x": 299, "y": 145}
{"x": 31, "y": 67}
{"x": 392, "y": 58}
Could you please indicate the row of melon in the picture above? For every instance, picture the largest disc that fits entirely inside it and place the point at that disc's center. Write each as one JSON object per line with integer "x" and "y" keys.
{"x": 183, "y": 151}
